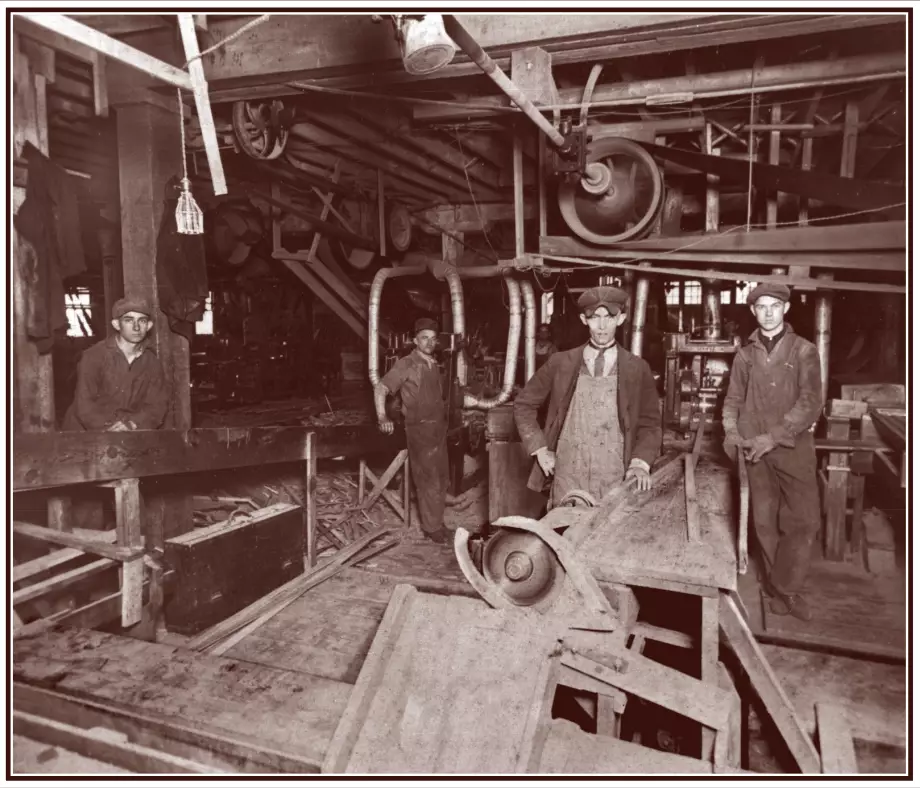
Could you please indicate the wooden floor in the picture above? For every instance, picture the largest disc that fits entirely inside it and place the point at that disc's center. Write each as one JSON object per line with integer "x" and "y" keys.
{"x": 285, "y": 686}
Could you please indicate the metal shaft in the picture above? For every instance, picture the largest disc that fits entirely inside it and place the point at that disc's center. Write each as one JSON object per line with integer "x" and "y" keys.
{"x": 642, "y": 287}
{"x": 478, "y": 55}
{"x": 823, "y": 332}
{"x": 712, "y": 308}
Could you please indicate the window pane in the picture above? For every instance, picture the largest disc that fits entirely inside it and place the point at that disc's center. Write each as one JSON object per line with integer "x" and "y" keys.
{"x": 206, "y": 324}
{"x": 693, "y": 292}
{"x": 79, "y": 313}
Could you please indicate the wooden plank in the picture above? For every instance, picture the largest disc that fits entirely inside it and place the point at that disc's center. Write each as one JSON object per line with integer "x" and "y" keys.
{"x": 312, "y": 281}
{"x": 658, "y": 684}
{"x": 43, "y": 563}
{"x": 63, "y": 580}
{"x": 735, "y": 732}
{"x": 661, "y": 635}
{"x": 857, "y": 237}
{"x": 202, "y": 102}
{"x": 693, "y": 508}
{"x": 103, "y": 746}
{"x": 111, "y": 47}
{"x": 86, "y": 545}
{"x": 766, "y": 685}
{"x": 834, "y": 739}
{"x": 388, "y": 495}
{"x": 61, "y": 458}
{"x": 349, "y": 727}
{"x": 744, "y": 504}
{"x": 709, "y": 661}
{"x": 129, "y": 530}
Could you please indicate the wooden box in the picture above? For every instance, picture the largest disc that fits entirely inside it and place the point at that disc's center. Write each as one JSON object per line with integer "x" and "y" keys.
{"x": 221, "y": 569}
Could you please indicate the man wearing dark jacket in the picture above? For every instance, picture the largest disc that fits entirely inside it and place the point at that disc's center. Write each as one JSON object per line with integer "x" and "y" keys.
{"x": 120, "y": 382}
{"x": 774, "y": 397}
{"x": 602, "y": 423}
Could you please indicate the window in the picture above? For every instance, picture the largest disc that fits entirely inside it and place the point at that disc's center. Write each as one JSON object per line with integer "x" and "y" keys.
{"x": 726, "y": 296}
{"x": 693, "y": 292}
{"x": 546, "y": 307}
{"x": 206, "y": 324}
{"x": 743, "y": 290}
{"x": 609, "y": 280}
{"x": 79, "y": 313}
{"x": 672, "y": 293}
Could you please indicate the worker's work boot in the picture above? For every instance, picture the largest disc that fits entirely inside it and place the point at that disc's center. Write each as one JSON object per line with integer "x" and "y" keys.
{"x": 790, "y": 605}
{"x": 441, "y": 536}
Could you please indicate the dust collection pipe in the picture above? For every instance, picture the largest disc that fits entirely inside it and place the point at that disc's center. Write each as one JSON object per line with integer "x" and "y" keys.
{"x": 373, "y": 313}
{"x": 823, "y": 312}
{"x": 478, "y": 55}
{"x": 511, "y": 353}
{"x": 712, "y": 307}
{"x": 457, "y": 312}
{"x": 530, "y": 329}
{"x": 642, "y": 287}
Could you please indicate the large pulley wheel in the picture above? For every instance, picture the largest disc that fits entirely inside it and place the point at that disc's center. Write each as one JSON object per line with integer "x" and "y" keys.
{"x": 523, "y": 567}
{"x": 261, "y": 129}
{"x": 617, "y": 197}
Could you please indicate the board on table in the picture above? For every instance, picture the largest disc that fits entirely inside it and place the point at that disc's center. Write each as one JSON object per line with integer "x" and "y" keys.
{"x": 436, "y": 664}
{"x": 646, "y": 544}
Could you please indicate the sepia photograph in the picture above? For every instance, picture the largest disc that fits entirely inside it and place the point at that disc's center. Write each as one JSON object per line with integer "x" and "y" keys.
{"x": 458, "y": 393}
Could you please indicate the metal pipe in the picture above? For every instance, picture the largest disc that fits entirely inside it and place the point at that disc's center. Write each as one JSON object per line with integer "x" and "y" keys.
{"x": 373, "y": 313}
{"x": 642, "y": 287}
{"x": 511, "y": 353}
{"x": 823, "y": 311}
{"x": 458, "y": 314}
{"x": 478, "y": 55}
{"x": 712, "y": 308}
{"x": 530, "y": 329}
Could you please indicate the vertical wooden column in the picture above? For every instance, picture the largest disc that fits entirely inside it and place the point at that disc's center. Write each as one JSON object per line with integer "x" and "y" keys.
{"x": 129, "y": 533}
{"x": 309, "y": 498}
{"x": 709, "y": 657}
{"x": 835, "y": 496}
{"x": 776, "y": 117}
{"x": 149, "y": 153}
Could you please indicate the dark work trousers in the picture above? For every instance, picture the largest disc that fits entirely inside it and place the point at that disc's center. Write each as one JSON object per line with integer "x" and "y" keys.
{"x": 427, "y": 444}
{"x": 787, "y": 511}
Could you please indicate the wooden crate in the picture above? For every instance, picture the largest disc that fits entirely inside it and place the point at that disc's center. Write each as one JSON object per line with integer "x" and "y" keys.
{"x": 221, "y": 569}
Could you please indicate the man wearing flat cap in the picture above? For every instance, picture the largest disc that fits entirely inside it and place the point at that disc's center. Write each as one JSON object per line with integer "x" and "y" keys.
{"x": 774, "y": 397}
{"x": 602, "y": 422}
{"x": 417, "y": 379}
{"x": 120, "y": 382}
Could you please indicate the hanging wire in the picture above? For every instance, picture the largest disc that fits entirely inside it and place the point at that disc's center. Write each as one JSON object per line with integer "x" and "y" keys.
{"x": 189, "y": 217}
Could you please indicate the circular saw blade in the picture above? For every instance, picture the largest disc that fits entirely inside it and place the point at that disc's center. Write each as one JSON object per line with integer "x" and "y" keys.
{"x": 523, "y": 567}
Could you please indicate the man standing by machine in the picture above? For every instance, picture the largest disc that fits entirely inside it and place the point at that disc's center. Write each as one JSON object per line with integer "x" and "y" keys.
{"x": 774, "y": 397}
{"x": 120, "y": 382}
{"x": 602, "y": 423}
{"x": 417, "y": 379}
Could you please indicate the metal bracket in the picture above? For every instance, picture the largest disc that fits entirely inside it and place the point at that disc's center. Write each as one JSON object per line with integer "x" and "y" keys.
{"x": 569, "y": 159}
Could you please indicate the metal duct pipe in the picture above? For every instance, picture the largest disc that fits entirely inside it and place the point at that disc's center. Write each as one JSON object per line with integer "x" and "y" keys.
{"x": 712, "y": 308}
{"x": 477, "y": 54}
{"x": 458, "y": 314}
{"x": 511, "y": 353}
{"x": 530, "y": 329}
{"x": 373, "y": 314}
{"x": 642, "y": 287}
{"x": 823, "y": 311}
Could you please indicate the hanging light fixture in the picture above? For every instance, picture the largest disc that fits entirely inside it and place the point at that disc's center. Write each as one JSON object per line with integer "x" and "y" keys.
{"x": 189, "y": 217}
{"x": 425, "y": 45}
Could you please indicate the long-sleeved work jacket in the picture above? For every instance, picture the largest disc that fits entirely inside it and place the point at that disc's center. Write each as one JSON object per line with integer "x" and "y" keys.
{"x": 637, "y": 403}
{"x": 776, "y": 394}
{"x": 109, "y": 389}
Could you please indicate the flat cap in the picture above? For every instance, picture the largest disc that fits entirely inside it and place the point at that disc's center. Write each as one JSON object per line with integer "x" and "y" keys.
{"x": 426, "y": 324}
{"x": 125, "y": 305}
{"x": 611, "y": 297}
{"x": 780, "y": 292}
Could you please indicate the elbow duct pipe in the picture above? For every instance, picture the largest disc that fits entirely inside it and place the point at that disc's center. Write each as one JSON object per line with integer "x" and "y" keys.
{"x": 514, "y": 342}
{"x": 459, "y": 319}
{"x": 478, "y": 55}
{"x": 373, "y": 314}
{"x": 530, "y": 329}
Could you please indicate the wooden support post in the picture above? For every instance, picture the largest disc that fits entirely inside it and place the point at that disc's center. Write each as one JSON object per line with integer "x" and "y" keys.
{"x": 735, "y": 721}
{"x": 407, "y": 495}
{"x": 518, "y": 169}
{"x": 129, "y": 530}
{"x": 693, "y": 508}
{"x": 835, "y": 500}
{"x": 709, "y": 659}
{"x": 381, "y": 214}
{"x": 149, "y": 154}
{"x": 309, "y": 499}
{"x": 362, "y": 479}
{"x": 712, "y": 187}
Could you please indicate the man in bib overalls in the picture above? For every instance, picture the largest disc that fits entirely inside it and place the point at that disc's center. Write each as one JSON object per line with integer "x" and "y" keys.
{"x": 603, "y": 423}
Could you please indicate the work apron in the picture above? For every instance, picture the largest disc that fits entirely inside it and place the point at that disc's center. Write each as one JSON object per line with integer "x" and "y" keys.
{"x": 426, "y": 440}
{"x": 589, "y": 455}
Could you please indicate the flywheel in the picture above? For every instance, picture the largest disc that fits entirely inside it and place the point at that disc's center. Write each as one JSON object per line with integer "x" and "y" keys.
{"x": 617, "y": 197}
{"x": 523, "y": 566}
